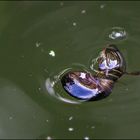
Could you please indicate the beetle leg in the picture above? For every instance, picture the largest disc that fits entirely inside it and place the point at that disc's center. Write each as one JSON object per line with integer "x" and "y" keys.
{"x": 133, "y": 73}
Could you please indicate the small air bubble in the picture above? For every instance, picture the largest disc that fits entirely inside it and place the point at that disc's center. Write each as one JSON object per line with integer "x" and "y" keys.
{"x": 102, "y": 6}
{"x": 83, "y": 11}
{"x": 37, "y": 44}
{"x": 61, "y": 3}
{"x": 10, "y": 118}
{"x": 92, "y": 127}
{"x": 70, "y": 118}
{"x": 74, "y": 23}
{"x": 126, "y": 89}
{"x": 47, "y": 121}
{"x": 117, "y": 33}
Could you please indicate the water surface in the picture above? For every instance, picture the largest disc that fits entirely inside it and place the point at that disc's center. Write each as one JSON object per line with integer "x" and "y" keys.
{"x": 41, "y": 39}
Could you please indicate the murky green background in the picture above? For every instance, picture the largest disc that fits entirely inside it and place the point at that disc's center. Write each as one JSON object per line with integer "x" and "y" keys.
{"x": 76, "y": 32}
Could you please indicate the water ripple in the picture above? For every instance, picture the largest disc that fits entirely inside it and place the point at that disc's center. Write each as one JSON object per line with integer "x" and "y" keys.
{"x": 54, "y": 87}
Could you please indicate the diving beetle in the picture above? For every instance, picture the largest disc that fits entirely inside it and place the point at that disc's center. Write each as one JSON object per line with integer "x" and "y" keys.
{"x": 110, "y": 63}
{"x": 83, "y": 85}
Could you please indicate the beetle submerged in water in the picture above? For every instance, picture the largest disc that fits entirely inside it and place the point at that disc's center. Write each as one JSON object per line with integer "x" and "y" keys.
{"x": 110, "y": 67}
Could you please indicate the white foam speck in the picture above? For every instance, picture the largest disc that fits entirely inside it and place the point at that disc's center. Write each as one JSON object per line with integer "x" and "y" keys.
{"x": 71, "y": 129}
{"x": 52, "y": 53}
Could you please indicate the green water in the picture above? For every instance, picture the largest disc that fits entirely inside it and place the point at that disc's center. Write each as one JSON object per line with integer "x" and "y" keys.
{"x": 76, "y": 32}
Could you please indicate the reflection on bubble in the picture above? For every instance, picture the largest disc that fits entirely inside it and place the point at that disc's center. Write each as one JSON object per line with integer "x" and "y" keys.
{"x": 117, "y": 33}
{"x": 55, "y": 89}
